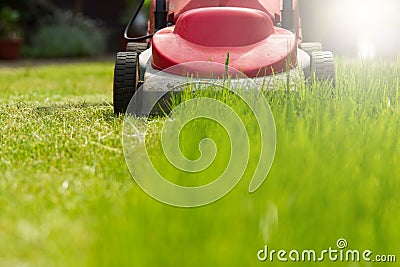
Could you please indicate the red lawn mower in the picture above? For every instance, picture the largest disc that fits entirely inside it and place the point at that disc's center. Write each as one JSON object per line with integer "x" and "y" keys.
{"x": 261, "y": 38}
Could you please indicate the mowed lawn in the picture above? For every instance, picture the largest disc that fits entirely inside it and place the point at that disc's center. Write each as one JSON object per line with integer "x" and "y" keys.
{"x": 67, "y": 198}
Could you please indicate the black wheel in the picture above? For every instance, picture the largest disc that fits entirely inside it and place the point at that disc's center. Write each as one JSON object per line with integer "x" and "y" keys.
{"x": 309, "y": 48}
{"x": 323, "y": 67}
{"x": 125, "y": 80}
{"x": 136, "y": 47}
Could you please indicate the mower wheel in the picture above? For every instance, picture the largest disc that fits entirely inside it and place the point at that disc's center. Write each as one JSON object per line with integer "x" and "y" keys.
{"x": 309, "y": 48}
{"x": 136, "y": 47}
{"x": 125, "y": 80}
{"x": 323, "y": 67}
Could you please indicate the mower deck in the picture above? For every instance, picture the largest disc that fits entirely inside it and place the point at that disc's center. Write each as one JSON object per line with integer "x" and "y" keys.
{"x": 158, "y": 85}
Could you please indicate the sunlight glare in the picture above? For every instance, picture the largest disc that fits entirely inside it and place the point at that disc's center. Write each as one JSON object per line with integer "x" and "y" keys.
{"x": 366, "y": 18}
{"x": 366, "y": 50}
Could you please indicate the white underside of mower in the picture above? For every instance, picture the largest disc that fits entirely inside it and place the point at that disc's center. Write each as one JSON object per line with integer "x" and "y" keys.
{"x": 155, "y": 80}
{"x": 157, "y": 85}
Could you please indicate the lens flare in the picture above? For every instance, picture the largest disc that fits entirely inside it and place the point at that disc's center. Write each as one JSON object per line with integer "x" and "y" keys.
{"x": 366, "y": 50}
{"x": 371, "y": 24}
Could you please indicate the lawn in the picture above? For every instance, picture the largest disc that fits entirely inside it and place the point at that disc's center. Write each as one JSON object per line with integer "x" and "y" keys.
{"x": 67, "y": 197}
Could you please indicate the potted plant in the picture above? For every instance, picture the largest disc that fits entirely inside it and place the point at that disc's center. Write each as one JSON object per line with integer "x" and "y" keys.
{"x": 10, "y": 33}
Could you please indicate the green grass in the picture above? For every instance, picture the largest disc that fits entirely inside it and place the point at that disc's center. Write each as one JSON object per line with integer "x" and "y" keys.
{"x": 67, "y": 198}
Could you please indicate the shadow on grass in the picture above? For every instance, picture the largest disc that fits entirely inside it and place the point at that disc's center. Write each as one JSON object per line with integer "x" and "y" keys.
{"x": 102, "y": 110}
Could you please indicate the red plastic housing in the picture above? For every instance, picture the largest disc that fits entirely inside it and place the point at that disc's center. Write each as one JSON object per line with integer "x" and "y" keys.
{"x": 270, "y": 7}
{"x": 255, "y": 46}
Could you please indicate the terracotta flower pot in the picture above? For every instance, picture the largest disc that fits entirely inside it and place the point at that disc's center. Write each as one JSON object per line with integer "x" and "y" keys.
{"x": 10, "y": 48}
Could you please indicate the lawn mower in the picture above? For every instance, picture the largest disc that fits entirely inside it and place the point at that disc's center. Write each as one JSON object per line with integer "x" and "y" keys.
{"x": 261, "y": 38}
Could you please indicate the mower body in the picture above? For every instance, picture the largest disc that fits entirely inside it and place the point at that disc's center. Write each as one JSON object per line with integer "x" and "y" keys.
{"x": 260, "y": 38}
{"x": 271, "y": 7}
{"x": 207, "y": 30}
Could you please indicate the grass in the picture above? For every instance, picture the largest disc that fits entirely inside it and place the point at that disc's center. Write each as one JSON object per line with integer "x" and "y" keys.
{"x": 67, "y": 199}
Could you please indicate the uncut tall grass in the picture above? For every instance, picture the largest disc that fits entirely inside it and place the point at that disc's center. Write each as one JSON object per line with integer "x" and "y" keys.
{"x": 66, "y": 196}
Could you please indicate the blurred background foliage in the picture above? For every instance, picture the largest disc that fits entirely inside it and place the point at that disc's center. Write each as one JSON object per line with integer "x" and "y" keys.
{"x": 65, "y": 34}
{"x": 344, "y": 26}
{"x": 69, "y": 28}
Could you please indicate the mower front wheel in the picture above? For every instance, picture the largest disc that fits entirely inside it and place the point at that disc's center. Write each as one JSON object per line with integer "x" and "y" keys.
{"x": 136, "y": 47}
{"x": 309, "y": 48}
{"x": 125, "y": 80}
{"x": 323, "y": 67}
